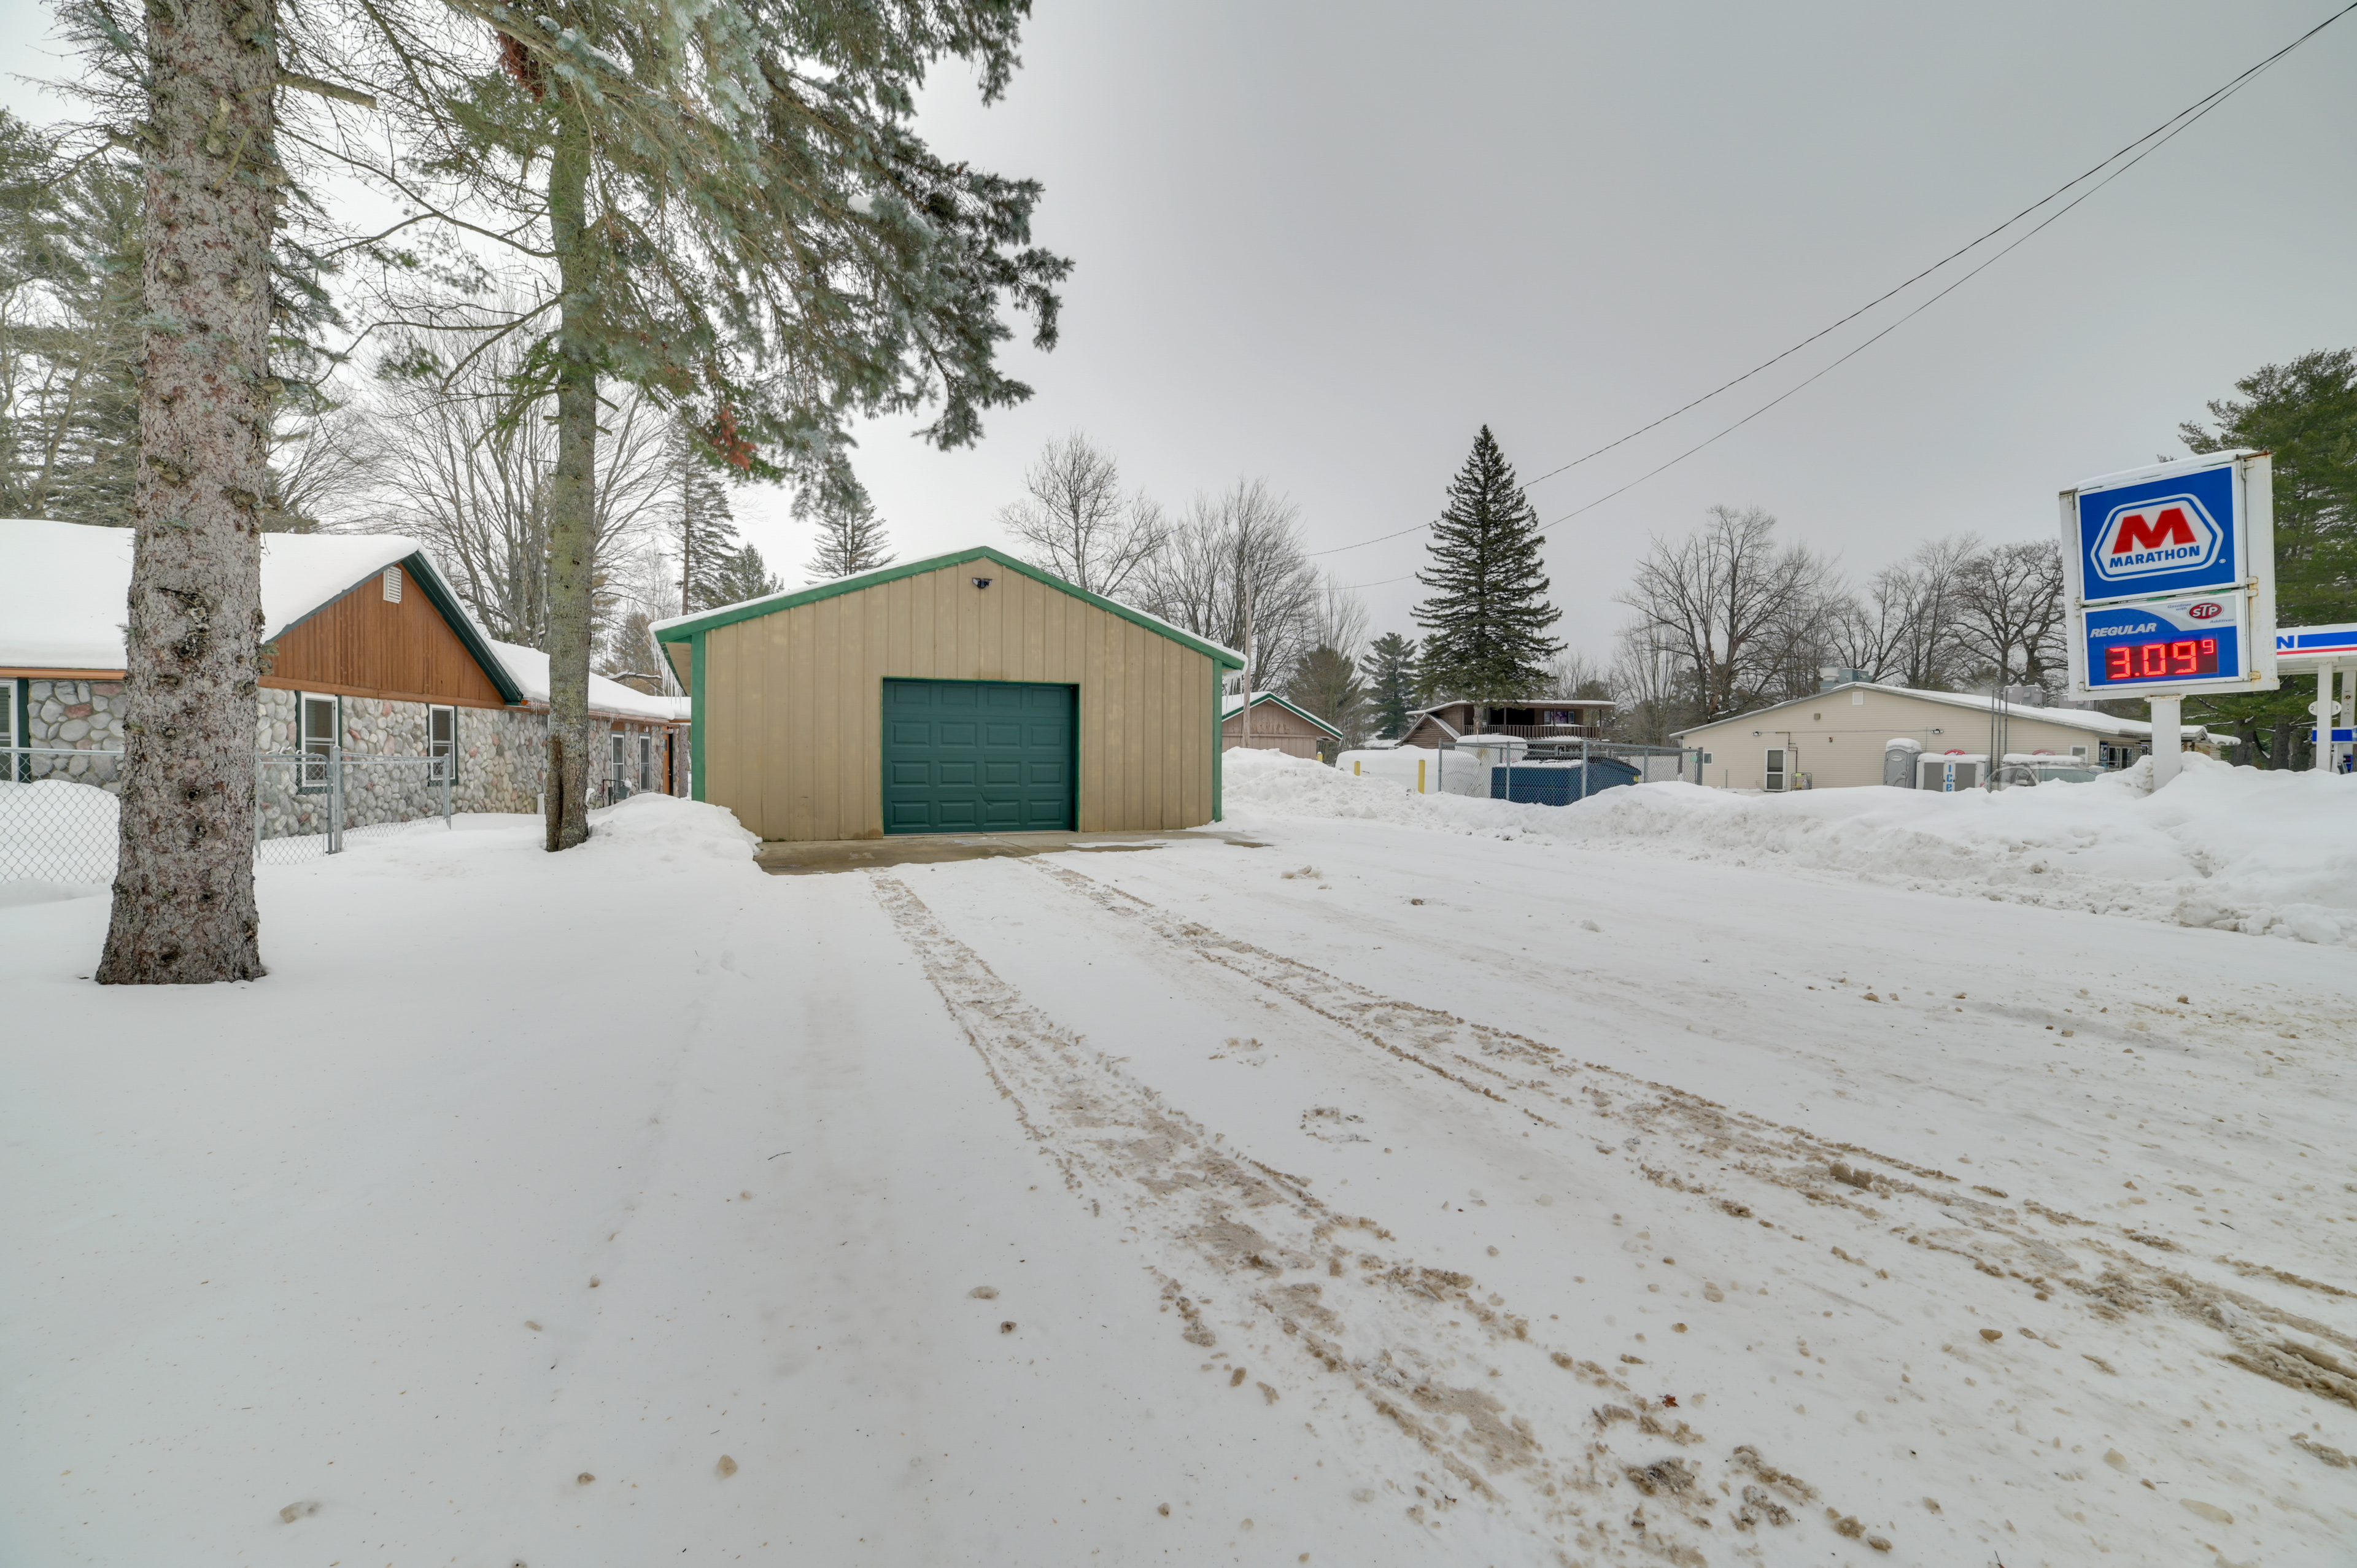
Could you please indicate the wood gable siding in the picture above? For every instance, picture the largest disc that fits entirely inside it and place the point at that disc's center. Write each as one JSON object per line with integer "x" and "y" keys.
{"x": 361, "y": 645}
{"x": 1274, "y": 728}
{"x": 794, "y": 701}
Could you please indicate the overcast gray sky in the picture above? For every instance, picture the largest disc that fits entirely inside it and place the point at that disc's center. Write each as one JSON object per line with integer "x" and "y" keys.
{"x": 1323, "y": 245}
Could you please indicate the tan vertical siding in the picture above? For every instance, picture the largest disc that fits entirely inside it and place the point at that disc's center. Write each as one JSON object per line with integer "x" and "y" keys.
{"x": 795, "y": 700}
{"x": 1839, "y": 741}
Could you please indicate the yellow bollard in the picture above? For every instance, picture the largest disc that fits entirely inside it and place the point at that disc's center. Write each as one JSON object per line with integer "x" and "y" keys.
{"x": 1419, "y": 775}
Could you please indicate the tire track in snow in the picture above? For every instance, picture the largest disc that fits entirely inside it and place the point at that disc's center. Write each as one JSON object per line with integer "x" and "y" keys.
{"x": 1406, "y": 1340}
{"x": 1516, "y": 1070}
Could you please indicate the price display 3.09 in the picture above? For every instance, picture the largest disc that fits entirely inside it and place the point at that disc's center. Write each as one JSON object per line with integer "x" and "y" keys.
{"x": 2184, "y": 643}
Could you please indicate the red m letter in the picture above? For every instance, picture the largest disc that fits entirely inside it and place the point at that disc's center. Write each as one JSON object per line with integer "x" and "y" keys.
{"x": 2136, "y": 533}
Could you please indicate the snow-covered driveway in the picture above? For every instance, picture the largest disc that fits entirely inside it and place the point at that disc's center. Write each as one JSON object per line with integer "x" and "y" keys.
{"x": 1374, "y": 1193}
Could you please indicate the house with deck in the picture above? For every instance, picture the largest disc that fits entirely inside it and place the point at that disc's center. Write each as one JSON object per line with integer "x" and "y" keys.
{"x": 1439, "y": 726}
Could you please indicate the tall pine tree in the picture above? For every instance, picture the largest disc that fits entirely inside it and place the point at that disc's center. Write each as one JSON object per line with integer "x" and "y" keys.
{"x": 745, "y": 576}
{"x": 704, "y": 525}
{"x": 1390, "y": 666}
{"x": 1489, "y": 614}
{"x": 850, "y": 536}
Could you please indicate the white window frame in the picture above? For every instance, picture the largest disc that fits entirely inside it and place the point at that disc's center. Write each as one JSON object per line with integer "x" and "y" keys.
{"x": 447, "y": 748}
{"x": 12, "y": 728}
{"x": 646, "y": 762}
{"x": 1776, "y": 769}
{"x": 311, "y": 778}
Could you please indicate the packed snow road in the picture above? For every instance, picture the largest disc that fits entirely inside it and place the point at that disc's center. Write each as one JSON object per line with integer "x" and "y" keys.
{"x": 1359, "y": 1192}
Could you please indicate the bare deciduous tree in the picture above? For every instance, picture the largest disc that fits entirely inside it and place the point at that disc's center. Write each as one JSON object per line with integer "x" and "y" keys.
{"x": 458, "y": 470}
{"x": 1237, "y": 557}
{"x": 1075, "y": 519}
{"x": 2011, "y": 615}
{"x": 1733, "y": 606}
{"x": 1902, "y": 626}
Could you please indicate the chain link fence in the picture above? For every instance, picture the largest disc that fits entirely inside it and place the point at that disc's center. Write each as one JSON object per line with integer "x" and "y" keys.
{"x": 58, "y": 819}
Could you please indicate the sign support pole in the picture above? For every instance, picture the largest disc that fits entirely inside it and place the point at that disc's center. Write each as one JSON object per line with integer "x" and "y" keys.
{"x": 2168, "y": 738}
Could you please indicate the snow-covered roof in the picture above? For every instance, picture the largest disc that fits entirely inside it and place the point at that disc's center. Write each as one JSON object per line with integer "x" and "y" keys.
{"x": 1973, "y": 702}
{"x": 1233, "y": 703}
{"x": 530, "y": 668}
{"x": 63, "y": 586}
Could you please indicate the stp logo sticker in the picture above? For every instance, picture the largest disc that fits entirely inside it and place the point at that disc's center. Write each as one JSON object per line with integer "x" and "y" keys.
{"x": 2209, "y": 609}
{"x": 2153, "y": 538}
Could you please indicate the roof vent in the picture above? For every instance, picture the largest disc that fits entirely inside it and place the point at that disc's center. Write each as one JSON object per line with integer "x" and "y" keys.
{"x": 393, "y": 585}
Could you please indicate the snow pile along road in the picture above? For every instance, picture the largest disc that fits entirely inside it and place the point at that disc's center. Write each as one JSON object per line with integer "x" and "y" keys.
{"x": 2234, "y": 848}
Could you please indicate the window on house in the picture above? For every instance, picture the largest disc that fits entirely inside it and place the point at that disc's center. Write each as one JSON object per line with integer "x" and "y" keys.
{"x": 616, "y": 758}
{"x": 646, "y": 762}
{"x": 442, "y": 742}
{"x": 1777, "y": 770}
{"x": 319, "y": 740}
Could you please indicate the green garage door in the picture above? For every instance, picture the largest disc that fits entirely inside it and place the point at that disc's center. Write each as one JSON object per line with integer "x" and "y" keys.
{"x": 965, "y": 757}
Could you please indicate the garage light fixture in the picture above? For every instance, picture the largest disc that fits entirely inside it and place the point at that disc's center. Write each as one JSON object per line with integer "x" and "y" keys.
{"x": 982, "y": 582}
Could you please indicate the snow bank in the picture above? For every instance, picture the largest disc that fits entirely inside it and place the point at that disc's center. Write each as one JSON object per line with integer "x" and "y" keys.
{"x": 55, "y": 835}
{"x": 2234, "y": 848}
{"x": 670, "y": 829}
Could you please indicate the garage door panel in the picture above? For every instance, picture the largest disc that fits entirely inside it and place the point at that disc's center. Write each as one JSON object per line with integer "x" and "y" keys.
{"x": 966, "y": 756}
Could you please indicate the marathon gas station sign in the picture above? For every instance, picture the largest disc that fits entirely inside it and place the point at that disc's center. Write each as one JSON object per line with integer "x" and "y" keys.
{"x": 2172, "y": 574}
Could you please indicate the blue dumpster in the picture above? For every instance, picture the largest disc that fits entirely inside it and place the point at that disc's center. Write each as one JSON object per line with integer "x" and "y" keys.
{"x": 1559, "y": 783}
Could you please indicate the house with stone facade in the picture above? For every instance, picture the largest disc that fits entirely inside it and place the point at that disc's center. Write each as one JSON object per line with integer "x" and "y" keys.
{"x": 367, "y": 651}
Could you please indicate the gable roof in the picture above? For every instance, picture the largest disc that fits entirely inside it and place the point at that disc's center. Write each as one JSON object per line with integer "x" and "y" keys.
{"x": 64, "y": 588}
{"x": 1233, "y": 702}
{"x": 683, "y": 628}
{"x": 2069, "y": 718}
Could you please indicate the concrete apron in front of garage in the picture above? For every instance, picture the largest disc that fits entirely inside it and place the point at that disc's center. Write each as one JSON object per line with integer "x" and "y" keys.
{"x": 782, "y": 859}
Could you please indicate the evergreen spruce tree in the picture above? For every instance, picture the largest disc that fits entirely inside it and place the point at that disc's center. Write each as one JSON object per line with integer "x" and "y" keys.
{"x": 745, "y": 576}
{"x": 2305, "y": 412}
{"x": 1488, "y": 612}
{"x": 1390, "y": 666}
{"x": 705, "y": 526}
{"x": 850, "y": 534}
{"x": 1327, "y": 683}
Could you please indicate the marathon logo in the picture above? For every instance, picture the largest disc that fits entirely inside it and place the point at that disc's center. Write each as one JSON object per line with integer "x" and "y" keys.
{"x": 2143, "y": 539}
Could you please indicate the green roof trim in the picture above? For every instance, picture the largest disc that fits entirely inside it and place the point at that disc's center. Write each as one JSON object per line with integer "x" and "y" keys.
{"x": 685, "y": 628}
{"x": 1260, "y": 697}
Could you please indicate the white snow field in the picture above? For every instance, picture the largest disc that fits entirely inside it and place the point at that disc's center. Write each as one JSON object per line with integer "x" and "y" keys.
{"x": 1373, "y": 1181}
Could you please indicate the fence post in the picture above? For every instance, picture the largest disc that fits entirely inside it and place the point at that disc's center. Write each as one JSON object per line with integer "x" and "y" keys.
{"x": 336, "y": 796}
{"x": 446, "y": 762}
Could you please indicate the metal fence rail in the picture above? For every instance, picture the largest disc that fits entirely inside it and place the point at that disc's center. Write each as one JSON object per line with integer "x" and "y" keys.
{"x": 60, "y": 821}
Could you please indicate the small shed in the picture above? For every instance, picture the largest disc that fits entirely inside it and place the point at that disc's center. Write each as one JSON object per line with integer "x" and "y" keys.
{"x": 1276, "y": 726}
{"x": 967, "y": 693}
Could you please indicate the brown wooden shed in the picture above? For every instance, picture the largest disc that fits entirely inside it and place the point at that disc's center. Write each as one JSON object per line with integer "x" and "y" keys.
{"x": 1276, "y": 726}
{"x": 968, "y": 693}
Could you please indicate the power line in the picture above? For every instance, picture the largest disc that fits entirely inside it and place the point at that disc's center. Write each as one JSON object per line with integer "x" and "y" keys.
{"x": 2178, "y": 122}
{"x": 1944, "y": 294}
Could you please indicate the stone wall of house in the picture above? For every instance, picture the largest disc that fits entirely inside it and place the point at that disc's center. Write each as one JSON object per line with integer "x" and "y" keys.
{"x": 75, "y": 715}
{"x": 502, "y": 754}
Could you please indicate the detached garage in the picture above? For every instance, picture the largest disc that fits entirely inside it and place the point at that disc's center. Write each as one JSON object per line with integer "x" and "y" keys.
{"x": 970, "y": 692}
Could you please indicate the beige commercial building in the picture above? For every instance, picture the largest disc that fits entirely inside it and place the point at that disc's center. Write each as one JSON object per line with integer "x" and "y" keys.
{"x": 969, "y": 693}
{"x": 1836, "y": 739}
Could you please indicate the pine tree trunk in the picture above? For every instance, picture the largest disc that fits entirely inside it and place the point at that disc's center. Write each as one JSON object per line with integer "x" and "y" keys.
{"x": 572, "y": 496}
{"x": 184, "y": 909}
